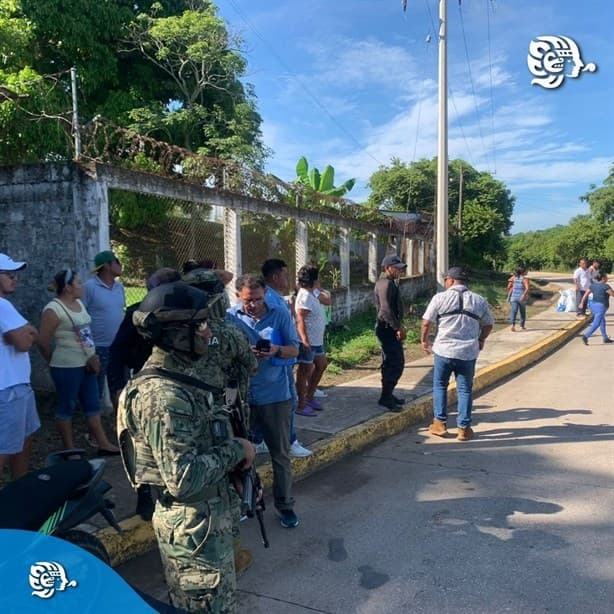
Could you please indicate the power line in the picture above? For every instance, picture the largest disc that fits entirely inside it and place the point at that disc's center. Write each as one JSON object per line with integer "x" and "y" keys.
{"x": 462, "y": 21}
{"x": 311, "y": 95}
{"x": 492, "y": 101}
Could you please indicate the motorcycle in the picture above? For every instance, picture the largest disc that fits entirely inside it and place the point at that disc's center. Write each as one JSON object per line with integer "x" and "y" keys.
{"x": 54, "y": 500}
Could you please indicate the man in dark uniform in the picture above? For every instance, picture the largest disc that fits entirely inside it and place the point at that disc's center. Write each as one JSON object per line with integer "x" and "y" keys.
{"x": 389, "y": 330}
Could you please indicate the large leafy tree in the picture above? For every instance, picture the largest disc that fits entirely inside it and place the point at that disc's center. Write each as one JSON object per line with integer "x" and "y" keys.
{"x": 210, "y": 110}
{"x": 137, "y": 84}
{"x": 485, "y": 204}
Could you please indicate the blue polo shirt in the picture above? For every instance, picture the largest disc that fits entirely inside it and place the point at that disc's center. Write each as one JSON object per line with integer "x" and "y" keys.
{"x": 270, "y": 384}
{"x": 106, "y": 307}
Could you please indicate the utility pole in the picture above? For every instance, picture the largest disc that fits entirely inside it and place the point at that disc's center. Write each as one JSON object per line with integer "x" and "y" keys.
{"x": 442, "y": 154}
{"x": 460, "y": 214}
{"x": 76, "y": 132}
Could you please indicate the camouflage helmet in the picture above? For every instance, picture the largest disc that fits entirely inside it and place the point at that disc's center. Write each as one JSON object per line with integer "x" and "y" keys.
{"x": 209, "y": 281}
{"x": 170, "y": 316}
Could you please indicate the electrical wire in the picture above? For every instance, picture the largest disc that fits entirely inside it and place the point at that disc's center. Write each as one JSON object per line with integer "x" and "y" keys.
{"x": 311, "y": 95}
{"x": 492, "y": 102}
{"x": 477, "y": 113}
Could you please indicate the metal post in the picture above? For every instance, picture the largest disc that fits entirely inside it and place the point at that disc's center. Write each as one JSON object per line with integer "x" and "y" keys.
{"x": 76, "y": 131}
{"x": 442, "y": 155}
{"x": 460, "y": 216}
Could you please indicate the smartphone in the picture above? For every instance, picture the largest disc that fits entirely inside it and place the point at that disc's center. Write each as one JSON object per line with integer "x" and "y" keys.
{"x": 263, "y": 345}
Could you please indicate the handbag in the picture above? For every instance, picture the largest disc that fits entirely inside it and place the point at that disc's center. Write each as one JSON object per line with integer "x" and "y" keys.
{"x": 92, "y": 364}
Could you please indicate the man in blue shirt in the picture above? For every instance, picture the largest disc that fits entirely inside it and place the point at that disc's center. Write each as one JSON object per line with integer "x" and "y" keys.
{"x": 105, "y": 300}
{"x": 275, "y": 273}
{"x": 272, "y": 337}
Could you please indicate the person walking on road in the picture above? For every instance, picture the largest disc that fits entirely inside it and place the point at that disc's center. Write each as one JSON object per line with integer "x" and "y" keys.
{"x": 582, "y": 281}
{"x": 389, "y": 329}
{"x": 464, "y": 322}
{"x": 518, "y": 287}
{"x": 599, "y": 306}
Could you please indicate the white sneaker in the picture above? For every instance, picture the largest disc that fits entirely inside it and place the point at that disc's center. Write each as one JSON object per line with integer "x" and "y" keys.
{"x": 261, "y": 448}
{"x": 296, "y": 449}
{"x": 319, "y": 394}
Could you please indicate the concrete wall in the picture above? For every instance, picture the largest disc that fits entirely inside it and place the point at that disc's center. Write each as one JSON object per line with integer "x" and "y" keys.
{"x": 55, "y": 216}
{"x": 49, "y": 217}
{"x": 359, "y": 299}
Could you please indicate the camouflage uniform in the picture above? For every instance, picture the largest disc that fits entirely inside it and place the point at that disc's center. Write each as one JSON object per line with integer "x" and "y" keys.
{"x": 183, "y": 446}
{"x": 228, "y": 357}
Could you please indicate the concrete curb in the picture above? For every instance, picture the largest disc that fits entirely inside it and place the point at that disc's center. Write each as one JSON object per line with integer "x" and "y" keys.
{"x": 138, "y": 536}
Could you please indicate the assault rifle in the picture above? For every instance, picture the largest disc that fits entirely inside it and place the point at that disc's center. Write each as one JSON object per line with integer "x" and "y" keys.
{"x": 252, "y": 499}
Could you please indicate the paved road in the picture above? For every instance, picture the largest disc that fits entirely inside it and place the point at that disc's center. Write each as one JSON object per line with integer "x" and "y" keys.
{"x": 518, "y": 520}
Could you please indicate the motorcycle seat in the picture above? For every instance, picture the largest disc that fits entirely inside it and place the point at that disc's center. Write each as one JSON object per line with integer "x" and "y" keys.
{"x": 28, "y": 502}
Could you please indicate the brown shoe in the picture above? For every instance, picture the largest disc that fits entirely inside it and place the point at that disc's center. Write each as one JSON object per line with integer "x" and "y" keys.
{"x": 438, "y": 428}
{"x": 243, "y": 561}
{"x": 464, "y": 434}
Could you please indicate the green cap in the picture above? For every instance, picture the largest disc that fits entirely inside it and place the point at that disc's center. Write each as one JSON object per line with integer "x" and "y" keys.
{"x": 102, "y": 258}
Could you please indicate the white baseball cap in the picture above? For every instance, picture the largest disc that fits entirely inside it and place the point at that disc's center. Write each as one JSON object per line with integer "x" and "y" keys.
{"x": 8, "y": 264}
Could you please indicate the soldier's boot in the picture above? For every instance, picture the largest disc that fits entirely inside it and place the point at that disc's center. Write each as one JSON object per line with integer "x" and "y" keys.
{"x": 243, "y": 560}
{"x": 439, "y": 428}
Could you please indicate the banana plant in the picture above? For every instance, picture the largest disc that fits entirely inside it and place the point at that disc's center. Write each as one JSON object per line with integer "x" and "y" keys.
{"x": 324, "y": 183}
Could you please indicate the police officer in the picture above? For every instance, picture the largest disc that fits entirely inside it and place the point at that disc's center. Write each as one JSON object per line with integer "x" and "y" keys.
{"x": 389, "y": 330}
{"x": 174, "y": 437}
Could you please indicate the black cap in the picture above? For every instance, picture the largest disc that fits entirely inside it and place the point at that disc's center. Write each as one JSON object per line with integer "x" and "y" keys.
{"x": 456, "y": 272}
{"x": 394, "y": 261}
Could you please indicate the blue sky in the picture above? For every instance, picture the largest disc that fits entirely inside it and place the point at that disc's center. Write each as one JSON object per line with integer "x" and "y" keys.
{"x": 353, "y": 83}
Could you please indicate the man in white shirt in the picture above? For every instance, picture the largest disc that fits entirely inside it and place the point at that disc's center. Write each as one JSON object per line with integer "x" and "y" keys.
{"x": 18, "y": 415}
{"x": 582, "y": 281}
{"x": 463, "y": 321}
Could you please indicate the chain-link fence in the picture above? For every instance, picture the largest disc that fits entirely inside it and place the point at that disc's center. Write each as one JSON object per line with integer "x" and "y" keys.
{"x": 150, "y": 232}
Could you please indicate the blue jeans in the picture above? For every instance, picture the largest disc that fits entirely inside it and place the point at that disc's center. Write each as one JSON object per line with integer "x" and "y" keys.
{"x": 517, "y": 307}
{"x": 72, "y": 383}
{"x": 598, "y": 322}
{"x": 463, "y": 371}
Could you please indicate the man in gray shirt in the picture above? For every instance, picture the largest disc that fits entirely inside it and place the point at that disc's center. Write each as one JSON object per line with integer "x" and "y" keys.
{"x": 463, "y": 321}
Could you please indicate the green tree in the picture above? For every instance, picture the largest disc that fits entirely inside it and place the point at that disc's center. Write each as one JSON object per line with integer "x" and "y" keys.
{"x": 210, "y": 110}
{"x": 601, "y": 200}
{"x": 486, "y": 207}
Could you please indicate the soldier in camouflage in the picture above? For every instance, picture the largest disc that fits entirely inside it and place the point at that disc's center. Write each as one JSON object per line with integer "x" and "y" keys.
{"x": 229, "y": 357}
{"x": 174, "y": 437}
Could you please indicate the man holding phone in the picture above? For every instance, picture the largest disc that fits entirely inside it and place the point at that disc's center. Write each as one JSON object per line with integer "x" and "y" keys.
{"x": 269, "y": 394}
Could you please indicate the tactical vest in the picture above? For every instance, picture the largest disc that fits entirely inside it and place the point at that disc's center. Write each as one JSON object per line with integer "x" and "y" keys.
{"x": 137, "y": 457}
